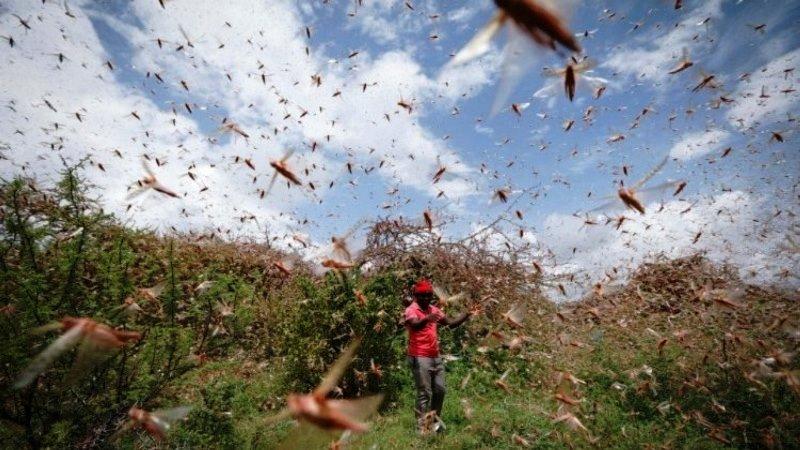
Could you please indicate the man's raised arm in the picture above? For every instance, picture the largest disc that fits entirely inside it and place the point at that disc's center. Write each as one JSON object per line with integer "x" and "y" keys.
{"x": 453, "y": 323}
{"x": 419, "y": 323}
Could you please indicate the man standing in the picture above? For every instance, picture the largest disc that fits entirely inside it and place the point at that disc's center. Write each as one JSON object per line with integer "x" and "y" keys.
{"x": 421, "y": 320}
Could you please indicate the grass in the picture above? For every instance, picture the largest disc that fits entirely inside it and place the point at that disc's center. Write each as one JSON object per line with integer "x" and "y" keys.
{"x": 496, "y": 416}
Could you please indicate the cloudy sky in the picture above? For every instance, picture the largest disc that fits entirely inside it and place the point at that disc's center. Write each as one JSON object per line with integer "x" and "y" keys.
{"x": 119, "y": 81}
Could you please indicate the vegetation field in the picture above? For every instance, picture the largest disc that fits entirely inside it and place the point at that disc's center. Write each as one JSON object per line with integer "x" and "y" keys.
{"x": 682, "y": 356}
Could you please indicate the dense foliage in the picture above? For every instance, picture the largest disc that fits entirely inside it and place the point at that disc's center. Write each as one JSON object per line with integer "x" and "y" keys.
{"x": 661, "y": 360}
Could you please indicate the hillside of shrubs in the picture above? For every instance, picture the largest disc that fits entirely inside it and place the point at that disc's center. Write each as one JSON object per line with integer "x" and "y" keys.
{"x": 682, "y": 355}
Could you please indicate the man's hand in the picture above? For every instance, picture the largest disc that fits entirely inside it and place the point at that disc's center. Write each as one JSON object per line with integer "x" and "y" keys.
{"x": 420, "y": 323}
{"x": 452, "y": 323}
{"x": 433, "y": 317}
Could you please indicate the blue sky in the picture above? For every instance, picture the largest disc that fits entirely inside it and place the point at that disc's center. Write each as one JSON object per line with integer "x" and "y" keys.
{"x": 732, "y": 201}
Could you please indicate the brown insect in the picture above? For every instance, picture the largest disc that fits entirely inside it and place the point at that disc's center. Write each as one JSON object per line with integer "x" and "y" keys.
{"x": 282, "y": 268}
{"x": 97, "y": 342}
{"x": 129, "y": 307}
{"x": 375, "y": 369}
{"x": 340, "y": 249}
{"x": 570, "y": 73}
{"x": 616, "y": 138}
{"x": 439, "y": 174}
{"x": 282, "y": 168}
{"x": 709, "y": 81}
{"x": 362, "y": 299}
{"x": 233, "y": 128}
{"x": 679, "y": 188}
{"x": 408, "y": 106}
{"x": 502, "y": 195}
{"x": 519, "y": 440}
{"x": 445, "y": 298}
{"x": 519, "y": 107}
{"x": 628, "y": 197}
{"x": 573, "y": 74}
{"x": 156, "y": 423}
{"x": 150, "y": 182}
{"x": 572, "y": 422}
{"x": 631, "y": 197}
{"x": 334, "y": 264}
{"x": 501, "y": 382}
{"x": 427, "y": 216}
{"x": 683, "y": 64}
{"x": 515, "y": 315}
{"x": 542, "y": 24}
{"x": 566, "y": 399}
{"x": 317, "y": 409}
{"x": 727, "y": 299}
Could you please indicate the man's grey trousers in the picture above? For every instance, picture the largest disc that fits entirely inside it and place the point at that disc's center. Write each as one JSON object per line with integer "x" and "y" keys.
{"x": 429, "y": 378}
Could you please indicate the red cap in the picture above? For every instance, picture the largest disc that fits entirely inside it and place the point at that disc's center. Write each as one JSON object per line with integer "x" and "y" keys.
{"x": 423, "y": 287}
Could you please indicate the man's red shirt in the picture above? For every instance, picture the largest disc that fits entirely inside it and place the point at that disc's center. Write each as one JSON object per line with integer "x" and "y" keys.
{"x": 423, "y": 341}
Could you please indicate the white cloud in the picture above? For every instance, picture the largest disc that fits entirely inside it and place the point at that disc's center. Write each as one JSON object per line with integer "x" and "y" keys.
{"x": 355, "y": 120}
{"x": 651, "y": 57}
{"x": 387, "y": 21}
{"x": 378, "y": 27}
{"x": 697, "y": 144}
{"x": 732, "y": 226}
{"x": 464, "y": 14}
{"x": 348, "y": 127}
{"x": 752, "y": 107}
{"x": 84, "y": 85}
{"x": 465, "y": 80}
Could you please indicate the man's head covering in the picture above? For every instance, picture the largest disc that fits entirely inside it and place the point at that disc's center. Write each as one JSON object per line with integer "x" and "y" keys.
{"x": 423, "y": 287}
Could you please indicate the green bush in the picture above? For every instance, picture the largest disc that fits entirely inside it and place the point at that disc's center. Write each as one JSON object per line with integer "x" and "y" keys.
{"x": 328, "y": 316}
{"x": 60, "y": 256}
{"x": 206, "y": 428}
